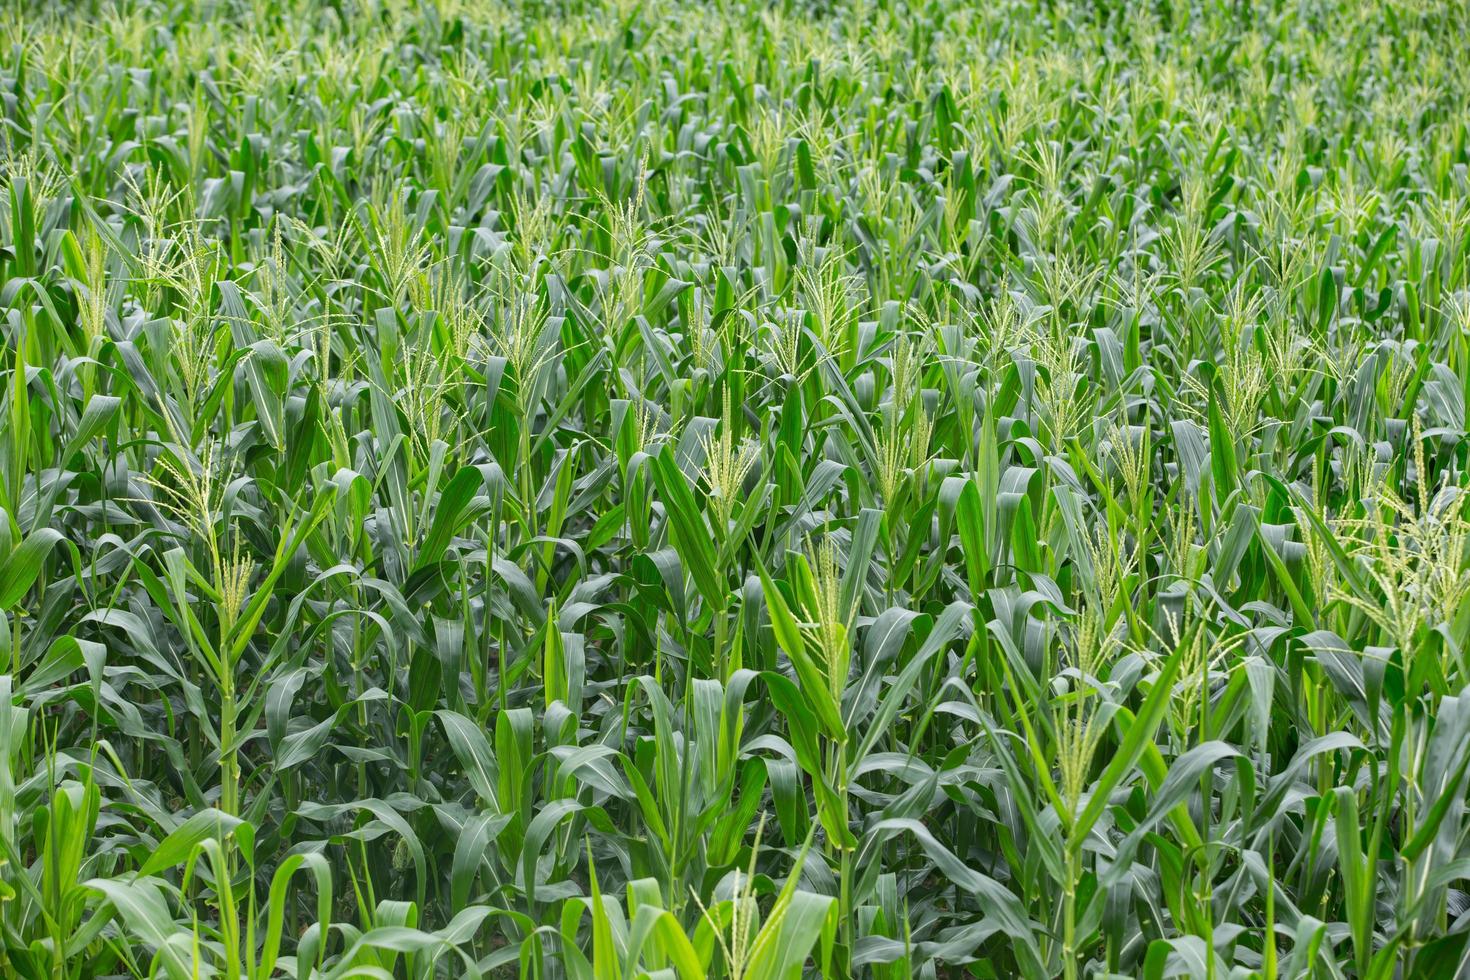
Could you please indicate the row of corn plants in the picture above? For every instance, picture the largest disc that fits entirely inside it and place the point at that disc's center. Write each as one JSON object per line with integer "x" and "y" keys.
{"x": 754, "y": 489}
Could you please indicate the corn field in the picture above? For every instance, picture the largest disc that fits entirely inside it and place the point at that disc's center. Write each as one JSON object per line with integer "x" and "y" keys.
{"x": 750, "y": 489}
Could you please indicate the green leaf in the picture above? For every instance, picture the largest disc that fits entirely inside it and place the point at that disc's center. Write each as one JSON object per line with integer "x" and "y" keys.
{"x": 1140, "y": 736}
{"x": 814, "y": 682}
{"x": 19, "y": 571}
{"x": 180, "y": 844}
{"x": 687, "y": 531}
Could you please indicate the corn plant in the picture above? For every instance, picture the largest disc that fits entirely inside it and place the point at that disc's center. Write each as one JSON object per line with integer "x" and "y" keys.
{"x": 622, "y": 488}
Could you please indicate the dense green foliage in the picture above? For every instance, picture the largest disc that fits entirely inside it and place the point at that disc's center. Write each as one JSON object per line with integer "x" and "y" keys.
{"x": 742, "y": 489}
